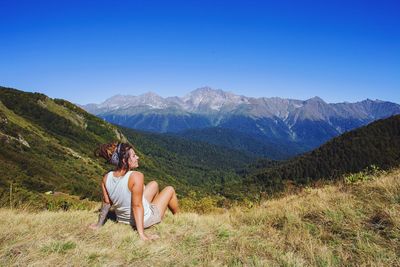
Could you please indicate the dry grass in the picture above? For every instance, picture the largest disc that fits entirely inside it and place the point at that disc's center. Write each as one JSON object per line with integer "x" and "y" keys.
{"x": 338, "y": 225}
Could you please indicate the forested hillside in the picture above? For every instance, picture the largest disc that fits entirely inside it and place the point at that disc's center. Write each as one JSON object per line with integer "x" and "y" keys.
{"x": 377, "y": 144}
{"x": 253, "y": 144}
{"x": 207, "y": 165}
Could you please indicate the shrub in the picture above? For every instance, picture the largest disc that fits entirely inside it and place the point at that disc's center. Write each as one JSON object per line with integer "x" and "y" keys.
{"x": 367, "y": 174}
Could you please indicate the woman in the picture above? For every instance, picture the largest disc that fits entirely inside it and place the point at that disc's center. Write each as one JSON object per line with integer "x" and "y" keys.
{"x": 135, "y": 204}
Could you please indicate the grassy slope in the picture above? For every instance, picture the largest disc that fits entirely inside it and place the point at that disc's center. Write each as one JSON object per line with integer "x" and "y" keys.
{"x": 334, "y": 225}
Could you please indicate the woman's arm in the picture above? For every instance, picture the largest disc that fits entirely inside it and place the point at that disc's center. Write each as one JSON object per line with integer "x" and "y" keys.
{"x": 106, "y": 205}
{"x": 136, "y": 187}
{"x": 135, "y": 184}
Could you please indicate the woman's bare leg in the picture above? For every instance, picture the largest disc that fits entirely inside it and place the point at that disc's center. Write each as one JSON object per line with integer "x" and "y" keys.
{"x": 166, "y": 198}
{"x": 151, "y": 191}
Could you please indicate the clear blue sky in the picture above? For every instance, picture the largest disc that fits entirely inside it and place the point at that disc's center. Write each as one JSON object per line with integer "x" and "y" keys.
{"x": 87, "y": 51}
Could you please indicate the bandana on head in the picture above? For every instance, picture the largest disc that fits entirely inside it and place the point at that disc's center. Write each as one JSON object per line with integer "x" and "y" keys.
{"x": 115, "y": 156}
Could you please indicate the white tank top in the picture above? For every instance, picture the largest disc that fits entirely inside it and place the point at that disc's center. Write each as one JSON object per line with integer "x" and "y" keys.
{"x": 120, "y": 195}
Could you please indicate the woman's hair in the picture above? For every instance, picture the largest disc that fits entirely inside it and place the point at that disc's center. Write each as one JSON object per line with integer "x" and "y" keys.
{"x": 115, "y": 153}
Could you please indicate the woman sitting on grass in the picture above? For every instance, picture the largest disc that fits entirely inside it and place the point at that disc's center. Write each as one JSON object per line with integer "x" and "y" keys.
{"x": 135, "y": 204}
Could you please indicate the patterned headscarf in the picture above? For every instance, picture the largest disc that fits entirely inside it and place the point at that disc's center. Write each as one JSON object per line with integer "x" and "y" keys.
{"x": 115, "y": 156}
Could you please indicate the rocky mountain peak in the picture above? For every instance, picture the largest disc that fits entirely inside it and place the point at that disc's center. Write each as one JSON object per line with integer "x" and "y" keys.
{"x": 315, "y": 99}
{"x": 151, "y": 100}
{"x": 204, "y": 89}
{"x": 116, "y": 101}
{"x": 204, "y": 92}
{"x": 209, "y": 99}
{"x": 150, "y": 95}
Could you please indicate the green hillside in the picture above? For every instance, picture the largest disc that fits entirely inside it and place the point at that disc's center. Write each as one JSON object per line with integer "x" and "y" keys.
{"x": 259, "y": 145}
{"x": 47, "y": 145}
{"x": 377, "y": 145}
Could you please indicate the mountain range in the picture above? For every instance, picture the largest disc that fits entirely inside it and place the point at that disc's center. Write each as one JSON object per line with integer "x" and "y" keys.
{"x": 274, "y": 127}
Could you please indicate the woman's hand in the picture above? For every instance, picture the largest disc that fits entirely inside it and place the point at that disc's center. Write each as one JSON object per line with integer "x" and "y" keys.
{"x": 145, "y": 237}
{"x": 94, "y": 226}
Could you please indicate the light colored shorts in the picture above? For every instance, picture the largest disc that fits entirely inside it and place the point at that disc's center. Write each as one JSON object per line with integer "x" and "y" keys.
{"x": 154, "y": 218}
